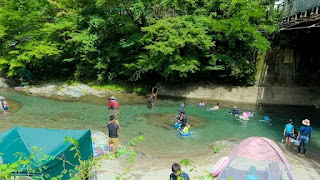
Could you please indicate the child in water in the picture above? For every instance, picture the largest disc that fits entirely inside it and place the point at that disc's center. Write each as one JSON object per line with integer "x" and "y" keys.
{"x": 288, "y": 131}
{"x": 201, "y": 104}
{"x": 186, "y": 129}
{"x": 4, "y": 105}
{"x": 266, "y": 119}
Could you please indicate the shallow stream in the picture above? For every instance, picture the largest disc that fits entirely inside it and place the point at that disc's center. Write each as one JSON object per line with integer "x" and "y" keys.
{"x": 161, "y": 140}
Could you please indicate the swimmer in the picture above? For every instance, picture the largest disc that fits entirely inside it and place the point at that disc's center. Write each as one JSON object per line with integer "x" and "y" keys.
{"x": 245, "y": 115}
{"x": 201, "y": 104}
{"x": 266, "y": 119}
{"x": 216, "y": 107}
{"x": 234, "y": 111}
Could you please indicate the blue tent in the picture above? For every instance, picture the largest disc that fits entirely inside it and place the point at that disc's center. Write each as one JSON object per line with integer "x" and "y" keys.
{"x": 51, "y": 142}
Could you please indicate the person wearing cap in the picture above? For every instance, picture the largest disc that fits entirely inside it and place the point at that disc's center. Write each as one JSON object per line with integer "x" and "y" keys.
{"x": 288, "y": 131}
{"x": 303, "y": 136}
{"x": 181, "y": 109}
{"x": 113, "y": 126}
{"x": 234, "y": 111}
{"x": 4, "y": 105}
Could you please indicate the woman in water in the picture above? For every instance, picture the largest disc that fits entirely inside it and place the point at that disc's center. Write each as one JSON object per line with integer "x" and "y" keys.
{"x": 216, "y": 107}
{"x": 304, "y": 136}
{"x": 201, "y": 104}
{"x": 288, "y": 131}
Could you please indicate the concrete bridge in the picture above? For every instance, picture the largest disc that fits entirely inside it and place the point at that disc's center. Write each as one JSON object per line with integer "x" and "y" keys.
{"x": 299, "y": 14}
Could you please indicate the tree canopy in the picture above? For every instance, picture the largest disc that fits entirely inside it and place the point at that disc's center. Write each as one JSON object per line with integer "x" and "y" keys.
{"x": 135, "y": 40}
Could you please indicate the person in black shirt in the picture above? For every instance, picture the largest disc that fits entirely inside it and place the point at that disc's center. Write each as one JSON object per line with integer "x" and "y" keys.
{"x": 113, "y": 127}
{"x": 150, "y": 103}
{"x": 177, "y": 173}
{"x": 183, "y": 120}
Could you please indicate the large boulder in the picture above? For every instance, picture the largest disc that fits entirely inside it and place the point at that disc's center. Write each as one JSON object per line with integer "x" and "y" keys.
{"x": 3, "y": 83}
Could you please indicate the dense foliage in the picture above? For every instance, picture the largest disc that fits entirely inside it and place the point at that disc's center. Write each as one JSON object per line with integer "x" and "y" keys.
{"x": 135, "y": 40}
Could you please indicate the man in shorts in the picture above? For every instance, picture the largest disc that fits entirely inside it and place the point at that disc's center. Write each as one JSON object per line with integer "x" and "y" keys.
{"x": 113, "y": 127}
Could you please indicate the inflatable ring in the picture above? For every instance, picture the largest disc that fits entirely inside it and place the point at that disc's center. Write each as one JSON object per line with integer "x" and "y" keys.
{"x": 184, "y": 134}
{"x": 176, "y": 125}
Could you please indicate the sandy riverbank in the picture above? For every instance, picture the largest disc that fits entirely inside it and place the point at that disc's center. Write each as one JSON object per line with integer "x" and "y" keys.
{"x": 160, "y": 168}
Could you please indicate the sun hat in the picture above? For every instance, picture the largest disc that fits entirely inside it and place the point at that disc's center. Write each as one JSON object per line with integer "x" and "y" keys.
{"x": 306, "y": 122}
{"x": 235, "y": 107}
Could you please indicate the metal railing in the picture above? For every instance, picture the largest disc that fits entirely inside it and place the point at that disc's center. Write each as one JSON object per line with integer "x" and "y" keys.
{"x": 292, "y": 7}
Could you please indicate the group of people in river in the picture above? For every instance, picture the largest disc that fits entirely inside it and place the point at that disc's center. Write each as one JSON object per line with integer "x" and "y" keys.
{"x": 302, "y": 137}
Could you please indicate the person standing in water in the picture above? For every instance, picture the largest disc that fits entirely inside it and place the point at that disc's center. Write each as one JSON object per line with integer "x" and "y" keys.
{"x": 4, "y": 105}
{"x": 183, "y": 120}
{"x": 150, "y": 103}
{"x": 288, "y": 132}
{"x": 154, "y": 91}
{"x": 113, "y": 126}
{"x": 303, "y": 136}
{"x": 181, "y": 109}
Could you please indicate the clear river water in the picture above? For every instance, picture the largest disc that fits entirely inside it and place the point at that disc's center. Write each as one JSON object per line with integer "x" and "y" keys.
{"x": 161, "y": 140}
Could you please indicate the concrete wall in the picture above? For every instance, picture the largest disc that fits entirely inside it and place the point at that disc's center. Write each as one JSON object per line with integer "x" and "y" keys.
{"x": 253, "y": 95}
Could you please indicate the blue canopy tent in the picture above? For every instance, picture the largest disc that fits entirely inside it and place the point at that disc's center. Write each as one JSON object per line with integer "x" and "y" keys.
{"x": 51, "y": 142}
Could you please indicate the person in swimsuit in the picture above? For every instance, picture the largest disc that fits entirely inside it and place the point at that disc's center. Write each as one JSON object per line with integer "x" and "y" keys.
{"x": 216, "y": 107}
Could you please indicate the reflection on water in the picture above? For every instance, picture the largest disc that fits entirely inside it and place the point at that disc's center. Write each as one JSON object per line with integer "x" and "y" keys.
{"x": 156, "y": 124}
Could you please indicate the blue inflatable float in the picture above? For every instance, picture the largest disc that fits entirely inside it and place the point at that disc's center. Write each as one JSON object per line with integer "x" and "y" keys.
{"x": 176, "y": 125}
{"x": 185, "y": 134}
